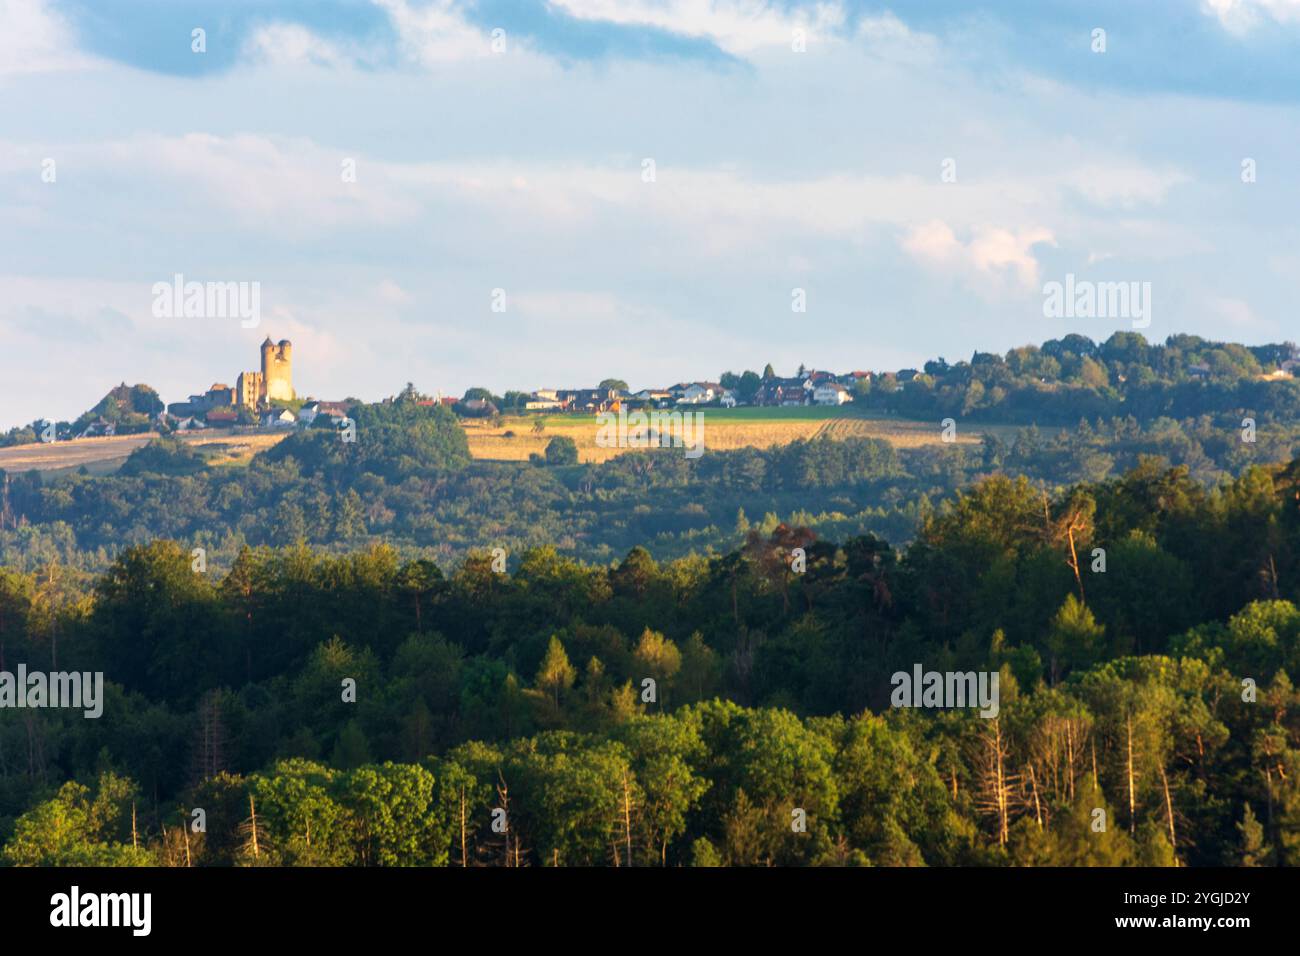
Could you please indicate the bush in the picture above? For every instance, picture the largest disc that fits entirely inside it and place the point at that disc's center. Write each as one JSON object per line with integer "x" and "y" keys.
{"x": 561, "y": 450}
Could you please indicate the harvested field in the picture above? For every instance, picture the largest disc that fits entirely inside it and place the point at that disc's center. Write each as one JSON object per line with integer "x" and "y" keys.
{"x": 105, "y": 455}
{"x": 514, "y": 438}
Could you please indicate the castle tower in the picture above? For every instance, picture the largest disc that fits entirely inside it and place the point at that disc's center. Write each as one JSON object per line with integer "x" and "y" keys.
{"x": 249, "y": 389}
{"x": 277, "y": 370}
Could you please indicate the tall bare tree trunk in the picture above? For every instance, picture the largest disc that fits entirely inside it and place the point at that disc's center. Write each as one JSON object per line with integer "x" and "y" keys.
{"x": 994, "y": 783}
{"x": 464, "y": 859}
{"x": 252, "y": 809}
{"x": 1002, "y": 791}
{"x": 1074, "y": 559}
{"x": 1132, "y": 798}
{"x": 627, "y": 816}
{"x": 1033, "y": 786}
{"x": 1069, "y": 754}
{"x": 1169, "y": 809}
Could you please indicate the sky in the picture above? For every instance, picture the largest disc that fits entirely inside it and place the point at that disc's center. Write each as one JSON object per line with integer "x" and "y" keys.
{"x": 919, "y": 170}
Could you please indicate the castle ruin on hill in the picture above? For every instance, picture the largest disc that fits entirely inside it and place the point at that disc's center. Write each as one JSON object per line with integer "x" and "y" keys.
{"x": 275, "y": 380}
{"x": 253, "y": 390}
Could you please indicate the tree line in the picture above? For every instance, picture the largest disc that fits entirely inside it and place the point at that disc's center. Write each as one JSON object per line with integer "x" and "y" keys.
{"x": 1144, "y": 628}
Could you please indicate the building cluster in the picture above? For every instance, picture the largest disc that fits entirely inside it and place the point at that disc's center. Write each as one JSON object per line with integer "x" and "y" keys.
{"x": 808, "y": 388}
{"x": 254, "y": 394}
{"x": 261, "y": 397}
{"x": 266, "y": 397}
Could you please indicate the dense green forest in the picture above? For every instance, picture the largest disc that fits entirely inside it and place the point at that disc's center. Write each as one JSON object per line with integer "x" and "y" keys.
{"x": 1155, "y": 684}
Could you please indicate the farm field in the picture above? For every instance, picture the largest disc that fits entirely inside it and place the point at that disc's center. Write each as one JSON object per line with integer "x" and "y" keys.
{"x": 101, "y": 456}
{"x": 514, "y": 438}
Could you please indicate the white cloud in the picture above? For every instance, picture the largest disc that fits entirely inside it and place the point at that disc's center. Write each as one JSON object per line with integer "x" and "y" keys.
{"x": 35, "y": 39}
{"x": 291, "y": 188}
{"x": 737, "y": 26}
{"x": 1125, "y": 185}
{"x": 1237, "y": 314}
{"x": 436, "y": 33}
{"x": 1242, "y": 16}
{"x": 887, "y": 37}
{"x": 596, "y": 308}
{"x": 286, "y": 187}
{"x": 428, "y": 35}
{"x": 290, "y": 44}
{"x": 996, "y": 254}
{"x": 497, "y": 215}
{"x": 392, "y": 293}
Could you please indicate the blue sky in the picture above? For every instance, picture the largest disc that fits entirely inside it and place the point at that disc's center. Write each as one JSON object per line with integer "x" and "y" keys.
{"x": 522, "y": 170}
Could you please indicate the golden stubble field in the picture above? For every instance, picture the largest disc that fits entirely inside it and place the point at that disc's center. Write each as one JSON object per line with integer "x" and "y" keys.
{"x": 514, "y": 438}
{"x": 104, "y": 455}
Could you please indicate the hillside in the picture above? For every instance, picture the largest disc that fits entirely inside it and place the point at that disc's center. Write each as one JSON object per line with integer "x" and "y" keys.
{"x": 772, "y": 687}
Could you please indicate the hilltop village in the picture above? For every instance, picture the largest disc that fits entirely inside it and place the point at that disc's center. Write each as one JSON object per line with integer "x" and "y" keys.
{"x": 266, "y": 397}
{"x": 1026, "y": 383}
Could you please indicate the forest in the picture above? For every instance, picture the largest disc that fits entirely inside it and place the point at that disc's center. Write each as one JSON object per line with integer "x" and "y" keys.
{"x": 361, "y": 707}
{"x": 1066, "y": 379}
{"x": 408, "y": 481}
{"x": 382, "y": 652}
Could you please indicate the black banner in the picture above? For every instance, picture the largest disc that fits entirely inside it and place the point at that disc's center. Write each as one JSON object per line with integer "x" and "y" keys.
{"x": 729, "y": 905}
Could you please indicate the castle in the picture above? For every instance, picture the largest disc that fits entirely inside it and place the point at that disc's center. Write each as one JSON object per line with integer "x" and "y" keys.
{"x": 253, "y": 390}
{"x": 275, "y": 380}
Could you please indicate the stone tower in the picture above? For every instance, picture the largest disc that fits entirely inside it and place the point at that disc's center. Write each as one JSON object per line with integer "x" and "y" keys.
{"x": 277, "y": 370}
{"x": 249, "y": 389}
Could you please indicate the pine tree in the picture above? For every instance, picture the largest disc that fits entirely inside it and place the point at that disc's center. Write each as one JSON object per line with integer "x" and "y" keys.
{"x": 556, "y": 675}
{"x": 1254, "y": 852}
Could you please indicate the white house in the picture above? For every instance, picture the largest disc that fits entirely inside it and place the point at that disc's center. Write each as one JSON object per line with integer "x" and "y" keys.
{"x": 545, "y": 400}
{"x": 697, "y": 393}
{"x": 540, "y": 404}
{"x": 831, "y": 393}
{"x": 313, "y": 410}
{"x": 283, "y": 419}
{"x": 99, "y": 427}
